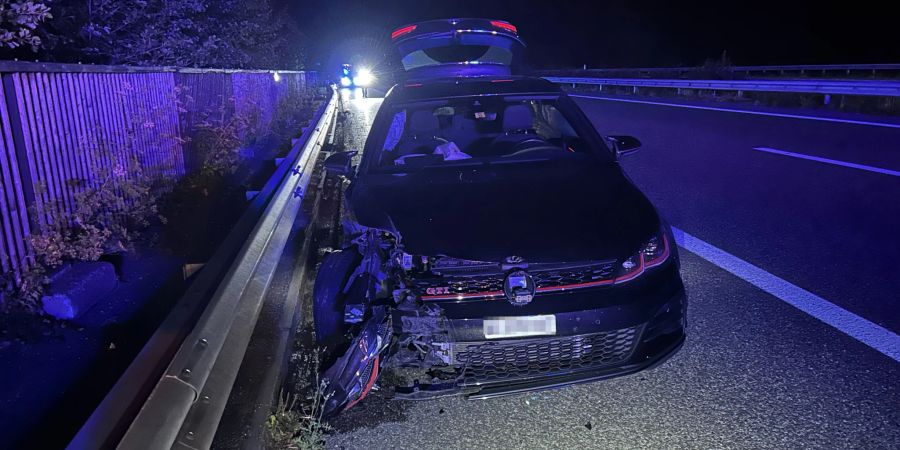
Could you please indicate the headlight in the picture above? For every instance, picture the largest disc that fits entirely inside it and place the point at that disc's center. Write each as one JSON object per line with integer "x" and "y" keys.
{"x": 652, "y": 254}
{"x": 345, "y": 81}
{"x": 363, "y": 77}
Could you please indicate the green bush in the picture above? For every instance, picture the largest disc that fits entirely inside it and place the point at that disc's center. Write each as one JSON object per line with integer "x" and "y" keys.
{"x": 105, "y": 215}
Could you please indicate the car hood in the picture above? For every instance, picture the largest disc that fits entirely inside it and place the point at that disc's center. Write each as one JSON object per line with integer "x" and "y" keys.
{"x": 543, "y": 212}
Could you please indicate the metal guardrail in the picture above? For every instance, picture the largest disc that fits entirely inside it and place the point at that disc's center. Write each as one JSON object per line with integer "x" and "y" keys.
{"x": 186, "y": 403}
{"x": 801, "y": 68}
{"x": 819, "y": 68}
{"x": 812, "y": 86}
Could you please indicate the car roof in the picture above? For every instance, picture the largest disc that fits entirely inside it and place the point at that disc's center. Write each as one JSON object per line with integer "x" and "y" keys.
{"x": 418, "y": 90}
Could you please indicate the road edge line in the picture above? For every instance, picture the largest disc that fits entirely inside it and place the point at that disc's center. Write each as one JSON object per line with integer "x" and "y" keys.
{"x": 863, "y": 330}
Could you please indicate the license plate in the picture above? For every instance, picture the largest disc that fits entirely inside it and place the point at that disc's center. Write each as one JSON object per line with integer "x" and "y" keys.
{"x": 507, "y": 327}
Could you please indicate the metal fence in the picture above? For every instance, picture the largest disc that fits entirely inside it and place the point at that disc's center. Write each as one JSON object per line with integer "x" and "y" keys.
{"x": 794, "y": 69}
{"x": 60, "y": 124}
{"x": 811, "y": 86}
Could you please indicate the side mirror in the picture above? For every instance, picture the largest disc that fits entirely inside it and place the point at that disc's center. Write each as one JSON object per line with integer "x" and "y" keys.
{"x": 624, "y": 145}
{"x": 340, "y": 163}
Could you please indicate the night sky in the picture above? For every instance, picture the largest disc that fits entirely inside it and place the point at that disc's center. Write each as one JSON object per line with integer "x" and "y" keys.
{"x": 621, "y": 33}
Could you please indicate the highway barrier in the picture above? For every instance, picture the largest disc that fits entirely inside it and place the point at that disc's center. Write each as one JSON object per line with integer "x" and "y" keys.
{"x": 804, "y": 86}
{"x": 175, "y": 391}
{"x": 830, "y": 70}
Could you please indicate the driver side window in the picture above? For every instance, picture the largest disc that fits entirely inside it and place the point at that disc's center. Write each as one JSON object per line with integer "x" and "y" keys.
{"x": 549, "y": 123}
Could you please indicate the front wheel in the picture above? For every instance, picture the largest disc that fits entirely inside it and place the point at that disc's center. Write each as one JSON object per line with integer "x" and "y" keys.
{"x": 328, "y": 296}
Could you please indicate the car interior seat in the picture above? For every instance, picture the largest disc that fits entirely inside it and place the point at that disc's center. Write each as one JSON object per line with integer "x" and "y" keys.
{"x": 518, "y": 126}
{"x": 421, "y": 136}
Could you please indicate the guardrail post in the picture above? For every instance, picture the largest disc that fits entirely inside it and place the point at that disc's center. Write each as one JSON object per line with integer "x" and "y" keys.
{"x": 827, "y": 98}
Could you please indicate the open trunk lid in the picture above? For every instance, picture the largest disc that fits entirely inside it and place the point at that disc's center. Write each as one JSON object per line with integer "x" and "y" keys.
{"x": 458, "y": 48}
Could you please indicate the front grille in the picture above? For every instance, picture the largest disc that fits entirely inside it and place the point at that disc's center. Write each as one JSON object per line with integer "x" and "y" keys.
{"x": 574, "y": 275}
{"x": 500, "y": 361}
{"x": 462, "y": 285}
{"x": 474, "y": 284}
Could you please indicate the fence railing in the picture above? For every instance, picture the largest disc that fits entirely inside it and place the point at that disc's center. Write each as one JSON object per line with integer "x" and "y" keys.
{"x": 812, "y": 86}
{"x": 794, "y": 69}
{"x": 55, "y": 117}
{"x": 174, "y": 393}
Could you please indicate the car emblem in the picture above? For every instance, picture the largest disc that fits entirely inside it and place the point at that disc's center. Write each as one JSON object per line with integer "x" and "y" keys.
{"x": 513, "y": 259}
{"x": 441, "y": 290}
{"x": 519, "y": 288}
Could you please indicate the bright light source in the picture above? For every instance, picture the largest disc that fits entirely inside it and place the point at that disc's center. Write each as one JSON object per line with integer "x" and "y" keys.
{"x": 276, "y": 76}
{"x": 363, "y": 77}
{"x": 345, "y": 81}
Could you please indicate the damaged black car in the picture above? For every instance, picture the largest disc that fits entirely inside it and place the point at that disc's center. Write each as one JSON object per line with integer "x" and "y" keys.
{"x": 493, "y": 243}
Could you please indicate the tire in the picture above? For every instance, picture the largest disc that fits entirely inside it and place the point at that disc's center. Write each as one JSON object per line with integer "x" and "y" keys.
{"x": 328, "y": 300}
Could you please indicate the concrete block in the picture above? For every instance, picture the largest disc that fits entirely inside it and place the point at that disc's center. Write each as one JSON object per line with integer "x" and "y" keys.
{"x": 78, "y": 288}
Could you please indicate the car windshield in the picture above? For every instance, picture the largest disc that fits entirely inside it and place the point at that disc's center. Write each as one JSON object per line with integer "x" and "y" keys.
{"x": 478, "y": 129}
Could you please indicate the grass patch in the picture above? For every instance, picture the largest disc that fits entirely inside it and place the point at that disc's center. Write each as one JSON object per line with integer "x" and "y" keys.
{"x": 296, "y": 423}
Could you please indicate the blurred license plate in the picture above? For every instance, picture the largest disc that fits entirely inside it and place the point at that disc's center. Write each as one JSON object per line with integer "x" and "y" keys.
{"x": 505, "y": 327}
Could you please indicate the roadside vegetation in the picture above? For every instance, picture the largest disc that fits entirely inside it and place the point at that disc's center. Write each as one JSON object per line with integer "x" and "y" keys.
{"x": 296, "y": 422}
{"x": 186, "y": 33}
{"x": 123, "y": 197}
{"x": 112, "y": 207}
{"x": 106, "y": 215}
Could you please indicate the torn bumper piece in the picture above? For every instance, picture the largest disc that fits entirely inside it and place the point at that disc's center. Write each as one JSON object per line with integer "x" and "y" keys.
{"x": 353, "y": 375}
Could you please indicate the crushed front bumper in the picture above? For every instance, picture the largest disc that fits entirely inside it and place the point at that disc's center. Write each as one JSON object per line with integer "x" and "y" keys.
{"x": 617, "y": 339}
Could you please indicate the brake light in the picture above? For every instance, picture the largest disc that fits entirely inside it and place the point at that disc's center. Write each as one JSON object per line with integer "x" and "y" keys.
{"x": 505, "y": 25}
{"x": 652, "y": 254}
{"x": 403, "y": 30}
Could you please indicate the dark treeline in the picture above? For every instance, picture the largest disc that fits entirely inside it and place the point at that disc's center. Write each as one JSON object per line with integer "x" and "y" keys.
{"x": 189, "y": 33}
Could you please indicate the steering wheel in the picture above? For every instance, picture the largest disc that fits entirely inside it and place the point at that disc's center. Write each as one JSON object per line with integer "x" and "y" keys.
{"x": 521, "y": 131}
{"x": 528, "y": 143}
{"x": 511, "y": 139}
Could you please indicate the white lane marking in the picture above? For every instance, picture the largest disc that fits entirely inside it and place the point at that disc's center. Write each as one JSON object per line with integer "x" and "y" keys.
{"x": 740, "y": 111}
{"x": 869, "y": 333}
{"x": 829, "y": 161}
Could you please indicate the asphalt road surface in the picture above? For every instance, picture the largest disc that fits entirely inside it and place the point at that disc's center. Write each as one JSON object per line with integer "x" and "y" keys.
{"x": 794, "y": 292}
